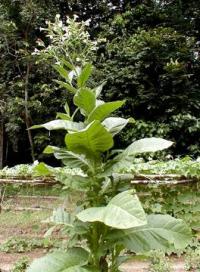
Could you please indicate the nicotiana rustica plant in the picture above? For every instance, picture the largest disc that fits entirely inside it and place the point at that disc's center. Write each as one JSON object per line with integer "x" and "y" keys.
{"x": 109, "y": 219}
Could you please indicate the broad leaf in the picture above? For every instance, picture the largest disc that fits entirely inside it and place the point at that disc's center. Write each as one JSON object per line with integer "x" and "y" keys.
{"x": 84, "y": 75}
{"x": 124, "y": 211}
{"x": 126, "y": 158}
{"x": 162, "y": 232}
{"x": 60, "y": 261}
{"x": 104, "y": 110}
{"x": 85, "y": 100}
{"x": 147, "y": 145}
{"x": 69, "y": 158}
{"x": 61, "y": 124}
{"x": 90, "y": 141}
{"x": 115, "y": 124}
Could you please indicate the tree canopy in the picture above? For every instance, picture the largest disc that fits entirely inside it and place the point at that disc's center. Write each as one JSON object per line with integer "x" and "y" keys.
{"x": 147, "y": 53}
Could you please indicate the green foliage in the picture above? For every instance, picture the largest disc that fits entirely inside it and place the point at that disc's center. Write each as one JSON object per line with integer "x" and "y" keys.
{"x": 182, "y": 167}
{"x": 58, "y": 261}
{"x": 148, "y": 51}
{"x": 107, "y": 220}
{"x": 20, "y": 245}
{"x": 154, "y": 69}
{"x": 159, "y": 263}
{"x": 27, "y": 170}
{"x": 192, "y": 258}
{"x": 21, "y": 265}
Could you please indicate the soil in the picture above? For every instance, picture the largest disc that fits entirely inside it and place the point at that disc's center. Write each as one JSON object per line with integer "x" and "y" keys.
{"x": 8, "y": 230}
{"x": 7, "y": 261}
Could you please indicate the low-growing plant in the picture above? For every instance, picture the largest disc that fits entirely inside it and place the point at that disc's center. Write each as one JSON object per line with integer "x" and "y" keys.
{"x": 21, "y": 265}
{"x": 159, "y": 262}
{"x": 20, "y": 245}
{"x": 109, "y": 218}
{"x": 192, "y": 257}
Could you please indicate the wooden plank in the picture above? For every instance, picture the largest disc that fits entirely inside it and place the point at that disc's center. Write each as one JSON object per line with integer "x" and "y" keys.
{"x": 26, "y": 181}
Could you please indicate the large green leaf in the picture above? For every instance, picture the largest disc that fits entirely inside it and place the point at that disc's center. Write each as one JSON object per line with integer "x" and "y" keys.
{"x": 115, "y": 124}
{"x": 61, "y": 124}
{"x": 60, "y": 261}
{"x": 147, "y": 145}
{"x": 85, "y": 100}
{"x": 125, "y": 159}
{"x": 69, "y": 158}
{"x": 124, "y": 211}
{"x": 84, "y": 75}
{"x": 91, "y": 141}
{"x": 104, "y": 110}
{"x": 162, "y": 232}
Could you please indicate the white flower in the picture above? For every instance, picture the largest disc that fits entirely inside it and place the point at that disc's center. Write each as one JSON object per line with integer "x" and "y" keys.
{"x": 87, "y": 23}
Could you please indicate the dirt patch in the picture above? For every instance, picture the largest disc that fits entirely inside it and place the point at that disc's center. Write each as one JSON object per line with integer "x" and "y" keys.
{"x": 7, "y": 260}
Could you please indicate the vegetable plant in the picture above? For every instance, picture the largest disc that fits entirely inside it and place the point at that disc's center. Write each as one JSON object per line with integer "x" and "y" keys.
{"x": 109, "y": 219}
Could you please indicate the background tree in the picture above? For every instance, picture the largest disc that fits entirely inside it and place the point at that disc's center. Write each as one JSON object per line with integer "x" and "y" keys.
{"x": 148, "y": 53}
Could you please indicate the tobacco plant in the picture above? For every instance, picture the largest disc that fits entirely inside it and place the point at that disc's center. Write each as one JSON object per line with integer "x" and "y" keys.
{"x": 109, "y": 219}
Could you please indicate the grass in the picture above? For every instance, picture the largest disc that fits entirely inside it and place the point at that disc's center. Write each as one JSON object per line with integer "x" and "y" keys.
{"x": 22, "y": 223}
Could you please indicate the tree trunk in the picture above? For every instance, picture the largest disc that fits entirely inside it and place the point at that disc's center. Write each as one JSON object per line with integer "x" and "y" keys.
{"x": 27, "y": 115}
{"x": 1, "y": 142}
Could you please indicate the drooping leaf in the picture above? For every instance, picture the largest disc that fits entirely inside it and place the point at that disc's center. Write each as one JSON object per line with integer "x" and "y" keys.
{"x": 85, "y": 100}
{"x": 115, "y": 124}
{"x": 60, "y": 261}
{"x": 69, "y": 158}
{"x": 124, "y": 211}
{"x": 162, "y": 232}
{"x": 90, "y": 141}
{"x": 102, "y": 111}
{"x": 147, "y": 145}
{"x": 126, "y": 158}
{"x": 84, "y": 75}
{"x": 61, "y": 124}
